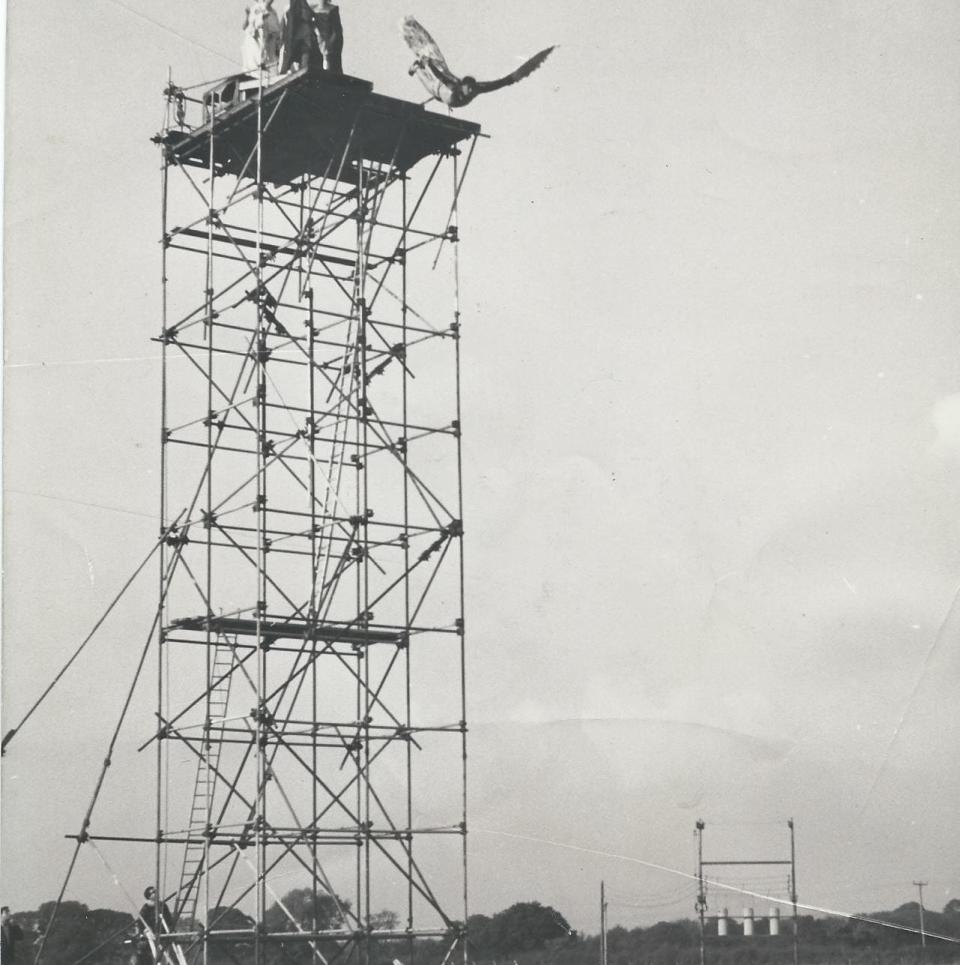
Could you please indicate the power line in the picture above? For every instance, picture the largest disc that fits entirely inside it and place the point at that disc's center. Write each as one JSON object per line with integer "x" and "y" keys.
{"x": 716, "y": 884}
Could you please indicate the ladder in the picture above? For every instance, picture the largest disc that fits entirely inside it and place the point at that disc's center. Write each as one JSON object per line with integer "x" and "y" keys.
{"x": 204, "y": 786}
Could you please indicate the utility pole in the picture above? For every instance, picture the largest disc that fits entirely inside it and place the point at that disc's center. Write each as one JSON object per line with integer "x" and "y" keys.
{"x": 701, "y": 905}
{"x": 923, "y": 935}
{"x": 603, "y": 925}
{"x": 793, "y": 894}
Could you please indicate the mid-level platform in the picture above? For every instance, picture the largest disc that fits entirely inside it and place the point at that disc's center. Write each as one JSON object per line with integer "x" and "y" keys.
{"x": 315, "y": 124}
{"x": 289, "y": 629}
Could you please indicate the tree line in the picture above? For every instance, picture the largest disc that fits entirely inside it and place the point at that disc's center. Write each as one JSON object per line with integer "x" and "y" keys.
{"x": 526, "y": 933}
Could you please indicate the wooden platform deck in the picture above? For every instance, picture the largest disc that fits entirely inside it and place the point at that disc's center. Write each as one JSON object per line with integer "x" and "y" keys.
{"x": 315, "y": 124}
{"x": 289, "y": 629}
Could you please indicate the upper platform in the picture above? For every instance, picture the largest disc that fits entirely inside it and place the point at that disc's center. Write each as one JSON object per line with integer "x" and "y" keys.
{"x": 308, "y": 120}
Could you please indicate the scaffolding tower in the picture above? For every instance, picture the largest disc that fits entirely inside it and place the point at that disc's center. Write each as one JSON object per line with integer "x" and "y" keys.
{"x": 311, "y": 739}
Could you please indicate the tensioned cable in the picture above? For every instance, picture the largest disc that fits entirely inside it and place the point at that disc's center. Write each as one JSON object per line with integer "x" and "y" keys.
{"x": 673, "y": 894}
{"x": 9, "y": 366}
{"x": 716, "y": 884}
{"x": 82, "y": 502}
{"x": 116, "y": 880}
{"x": 11, "y": 733}
{"x": 83, "y": 836}
{"x": 107, "y": 941}
{"x": 281, "y": 905}
{"x": 176, "y": 33}
{"x": 163, "y": 955}
{"x": 680, "y": 898}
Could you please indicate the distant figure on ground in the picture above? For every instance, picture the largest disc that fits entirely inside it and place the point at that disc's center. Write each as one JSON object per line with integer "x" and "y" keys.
{"x": 312, "y": 37}
{"x": 10, "y": 934}
{"x": 261, "y": 38}
{"x": 155, "y": 916}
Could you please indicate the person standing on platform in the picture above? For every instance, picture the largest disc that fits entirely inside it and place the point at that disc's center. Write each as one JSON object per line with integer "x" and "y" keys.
{"x": 261, "y": 38}
{"x": 300, "y": 45}
{"x": 271, "y": 37}
{"x": 249, "y": 49}
{"x": 10, "y": 934}
{"x": 312, "y": 37}
{"x": 326, "y": 16}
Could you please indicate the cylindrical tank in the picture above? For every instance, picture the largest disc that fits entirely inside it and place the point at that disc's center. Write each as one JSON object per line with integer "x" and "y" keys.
{"x": 774, "y": 921}
{"x": 748, "y": 923}
{"x": 722, "y": 924}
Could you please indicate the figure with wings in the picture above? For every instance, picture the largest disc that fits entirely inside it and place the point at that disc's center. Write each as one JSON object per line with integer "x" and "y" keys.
{"x": 442, "y": 83}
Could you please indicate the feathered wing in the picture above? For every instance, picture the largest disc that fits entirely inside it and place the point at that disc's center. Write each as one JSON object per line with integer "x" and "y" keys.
{"x": 524, "y": 70}
{"x": 424, "y": 47}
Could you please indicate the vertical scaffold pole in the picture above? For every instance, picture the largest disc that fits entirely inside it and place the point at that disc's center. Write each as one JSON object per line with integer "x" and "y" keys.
{"x": 160, "y": 774}
{"x": 204, "y": 771}
{"x": 262, "y": 723}
{"x": 461, "y": 624}
{"x": 402, "y": 246}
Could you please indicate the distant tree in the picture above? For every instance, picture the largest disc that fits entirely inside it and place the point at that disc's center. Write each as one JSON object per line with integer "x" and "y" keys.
{"x": 304, "y": 911}
{"x": 385, "y": 920}
{"x": 527, "y": 933}
{"x": 76, "y": 932}
{"x": 228, "y": 918}
{"x": 675, "y": 934}
{"x": 526, "y": 926}
{"x": 477, "y": 923}
{"x": 311, "y": 913}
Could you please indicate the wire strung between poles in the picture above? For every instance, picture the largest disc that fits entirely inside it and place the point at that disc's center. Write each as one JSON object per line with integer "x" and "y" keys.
{"x": 11, "y": 733}
{"x": 83, "y": 837}
{"x": 716, "y": 884}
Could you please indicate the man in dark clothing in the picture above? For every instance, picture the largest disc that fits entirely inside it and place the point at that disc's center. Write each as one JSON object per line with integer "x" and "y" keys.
{"x": 312, "y": 37}
{"x": 155, "y": 916}
{"x": 10, "y": 934}
{"x": 326, "y": 16}
{"x": 300, "y": 44}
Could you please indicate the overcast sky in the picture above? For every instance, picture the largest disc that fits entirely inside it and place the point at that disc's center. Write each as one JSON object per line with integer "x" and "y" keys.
{"x": 712, "y": 430}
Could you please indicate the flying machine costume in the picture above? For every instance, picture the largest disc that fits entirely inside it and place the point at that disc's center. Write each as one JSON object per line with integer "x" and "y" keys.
{"x": 442, "y": 83}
